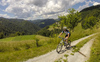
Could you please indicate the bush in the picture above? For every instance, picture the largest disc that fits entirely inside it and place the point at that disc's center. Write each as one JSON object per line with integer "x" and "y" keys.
{"x": 2, "y": 35}
{"x": 89, "y": 22}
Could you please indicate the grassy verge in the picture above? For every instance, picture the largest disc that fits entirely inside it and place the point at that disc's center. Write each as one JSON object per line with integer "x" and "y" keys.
{"x": 95, "y": 51}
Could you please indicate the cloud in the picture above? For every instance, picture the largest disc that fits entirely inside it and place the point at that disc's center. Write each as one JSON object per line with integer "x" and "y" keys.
{"x": 4, "y": 15}
{"x": 96, "y": 3}
{"x": 34, "y": 9}
{"x": 3, "y": 2}
{"x": 84, "y": 6}
{"x": 39, "y": 3}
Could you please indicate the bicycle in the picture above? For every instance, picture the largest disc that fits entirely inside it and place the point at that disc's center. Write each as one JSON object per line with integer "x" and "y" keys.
{"x": 61, "y": 44}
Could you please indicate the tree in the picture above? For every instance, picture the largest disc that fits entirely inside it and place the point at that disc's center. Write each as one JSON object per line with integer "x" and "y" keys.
{"x": 1, "y": 35}
{"x": 18, "y": 33}
{"x": 71, "y": 20}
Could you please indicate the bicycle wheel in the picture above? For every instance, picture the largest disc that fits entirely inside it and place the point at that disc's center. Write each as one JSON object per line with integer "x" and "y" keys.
{"x": 59, "y": 47}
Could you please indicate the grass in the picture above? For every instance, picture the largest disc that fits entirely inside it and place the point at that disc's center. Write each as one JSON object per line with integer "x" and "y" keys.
{"x": 15, "y": 51}
{"x": 22, "y": 50}
{"x": 79, "y": 32}
{"x": 66, "y": 55}
{"x": 19, "y": 38}
{"x": 59, "y": 60}
{"x": 72, "y": 54}
{"x": 65, "y": 60}
{"x": 95, "y": 50}
{"x": 25, "y": 54}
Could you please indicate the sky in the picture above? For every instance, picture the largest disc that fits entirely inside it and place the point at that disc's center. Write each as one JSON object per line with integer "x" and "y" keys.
{"x": 41, "y": 9}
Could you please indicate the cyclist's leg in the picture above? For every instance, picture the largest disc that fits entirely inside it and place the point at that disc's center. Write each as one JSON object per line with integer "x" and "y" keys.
{"x": 66, "y": 38}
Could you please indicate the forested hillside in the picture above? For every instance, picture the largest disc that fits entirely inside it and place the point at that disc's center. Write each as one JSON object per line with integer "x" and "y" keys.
{"x": 90, "y": 16}
{"x": 43, "y": 22}
{"x": 14, "y": 27}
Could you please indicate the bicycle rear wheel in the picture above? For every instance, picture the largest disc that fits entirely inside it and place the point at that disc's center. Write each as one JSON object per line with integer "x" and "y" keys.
{"x": 59, "y": 47}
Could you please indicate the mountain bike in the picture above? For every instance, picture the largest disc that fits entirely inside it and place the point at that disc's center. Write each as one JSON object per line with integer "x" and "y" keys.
{"x": 63, "y": 43}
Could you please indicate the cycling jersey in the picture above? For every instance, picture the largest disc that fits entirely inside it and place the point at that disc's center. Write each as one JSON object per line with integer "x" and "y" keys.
{"x": 66, "y": 32}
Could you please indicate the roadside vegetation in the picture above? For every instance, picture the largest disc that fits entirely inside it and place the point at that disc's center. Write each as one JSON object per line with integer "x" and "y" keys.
{"x": 95, "y": 50}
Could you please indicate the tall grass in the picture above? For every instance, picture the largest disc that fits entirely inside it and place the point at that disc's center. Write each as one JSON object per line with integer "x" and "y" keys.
{"x": 19, "y": 38}
{"x": 95, "y": 50}
{"x": 15, "y": 51}
{"x": 79, "y": 32}
{"x": 16, "y": 46}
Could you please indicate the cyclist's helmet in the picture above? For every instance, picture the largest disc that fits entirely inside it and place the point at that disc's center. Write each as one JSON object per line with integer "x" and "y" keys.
{"x": 64, "y": 27}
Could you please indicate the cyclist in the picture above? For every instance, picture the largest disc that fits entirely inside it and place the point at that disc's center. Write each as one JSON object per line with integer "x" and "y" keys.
{"x": 66, "y": 31}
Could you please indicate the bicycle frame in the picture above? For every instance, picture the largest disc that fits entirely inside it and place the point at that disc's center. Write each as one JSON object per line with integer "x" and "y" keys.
{"x": 61, "y": 44}
{"x": 62, "y": 39}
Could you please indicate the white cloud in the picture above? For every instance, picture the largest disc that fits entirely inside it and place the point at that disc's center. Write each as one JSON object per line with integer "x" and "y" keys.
{"x": 4, "y": 15}
{"x": 84, "y": 6}
{"x": 96, "y": 3}
{"x": 3, "y": 2}
{"x": 33, "y": 9}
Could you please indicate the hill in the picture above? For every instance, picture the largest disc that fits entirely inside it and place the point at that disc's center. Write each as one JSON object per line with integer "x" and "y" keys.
{"x": 90, "y": 16}
{"x": 93, "y": 11}
{"x": 43, "y": 22}
{"x": 91, "y": 8}
{"x": 90, "y": 11}
{"x": 17, "y": 26}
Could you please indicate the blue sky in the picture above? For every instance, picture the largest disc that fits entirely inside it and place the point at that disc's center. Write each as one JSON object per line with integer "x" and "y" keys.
{"x": 41, "y": 9}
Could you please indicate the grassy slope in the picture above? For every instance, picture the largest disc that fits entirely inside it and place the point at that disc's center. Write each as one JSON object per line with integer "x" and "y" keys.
{"x": 26, "y": 48}
{"x": 79, "y": 32}
{"x": 19, "y": 38}
{"x": 95, "y": 50}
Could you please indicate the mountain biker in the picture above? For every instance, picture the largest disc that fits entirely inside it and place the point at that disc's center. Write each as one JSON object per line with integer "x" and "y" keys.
{"x": 66, "y": 31}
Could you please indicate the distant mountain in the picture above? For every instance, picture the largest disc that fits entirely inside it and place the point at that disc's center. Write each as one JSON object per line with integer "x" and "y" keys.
{"x": 43, "y": 22}
{"x": 91, "y": 8}
{"x": 90, "y": 11}
{"x": 10, "y": 26}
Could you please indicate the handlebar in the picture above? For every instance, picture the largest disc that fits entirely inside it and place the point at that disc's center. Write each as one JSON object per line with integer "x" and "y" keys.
{"x": 63, "y": 38}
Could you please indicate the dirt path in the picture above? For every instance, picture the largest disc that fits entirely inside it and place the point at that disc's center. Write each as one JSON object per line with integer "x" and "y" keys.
{"x": 53, "y": 55}
{"x": 77, "y": 57}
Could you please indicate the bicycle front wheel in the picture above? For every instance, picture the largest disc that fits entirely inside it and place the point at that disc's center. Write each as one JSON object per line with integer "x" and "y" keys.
{"x": 59, "y": 47}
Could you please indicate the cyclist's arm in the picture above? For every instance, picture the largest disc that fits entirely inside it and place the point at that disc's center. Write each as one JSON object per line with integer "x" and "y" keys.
{"x": 60, "y": 34}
